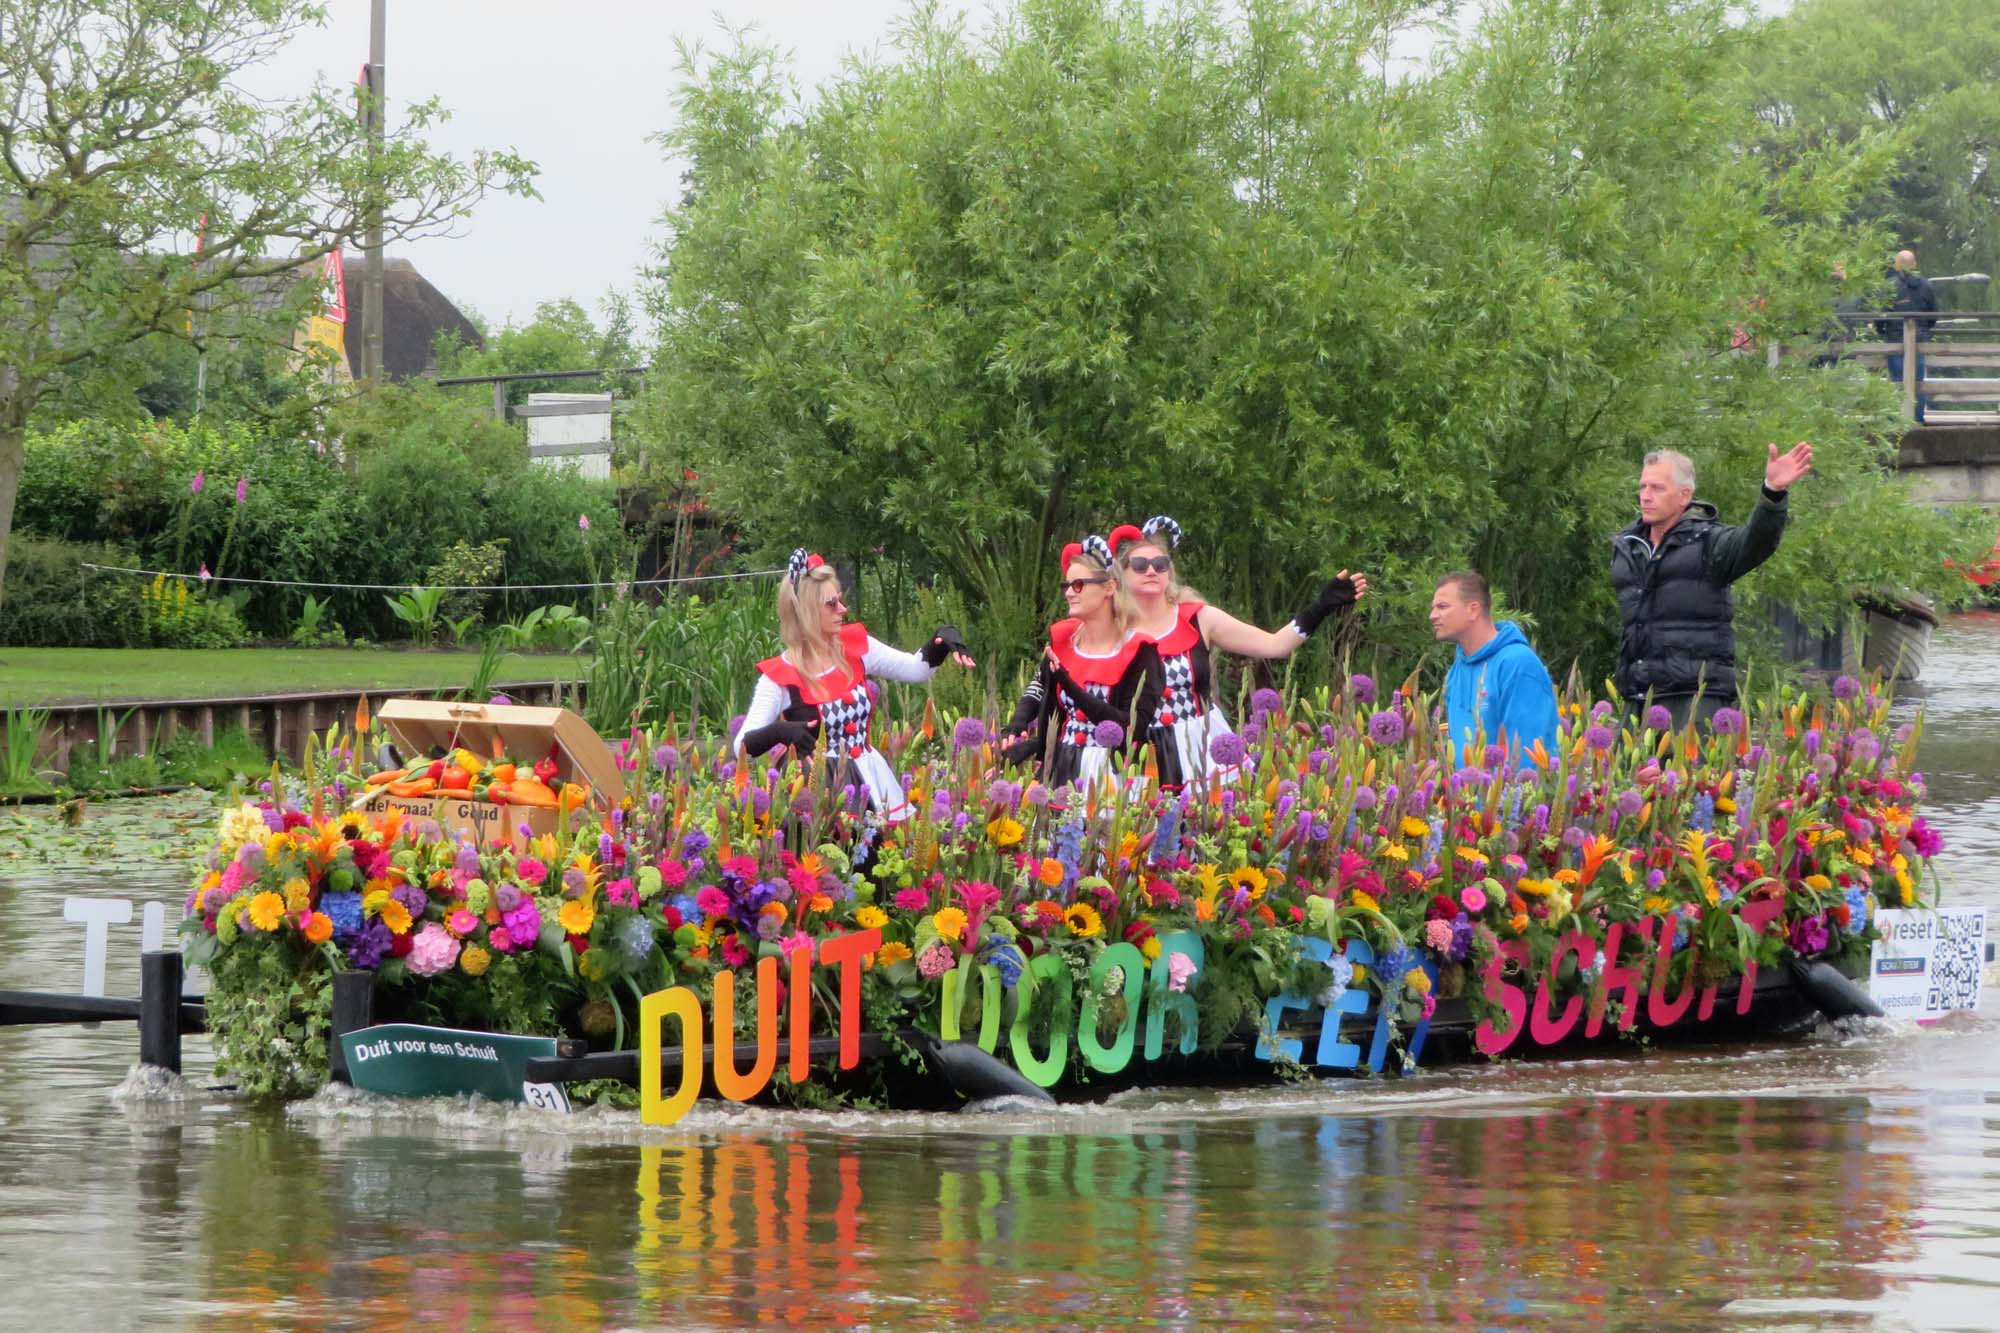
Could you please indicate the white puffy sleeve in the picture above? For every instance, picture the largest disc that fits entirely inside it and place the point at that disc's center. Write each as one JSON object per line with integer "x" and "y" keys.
{"x": 888, "y": 663}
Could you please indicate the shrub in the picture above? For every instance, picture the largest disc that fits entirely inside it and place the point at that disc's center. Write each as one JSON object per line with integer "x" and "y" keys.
{"x": 52, "y": 601}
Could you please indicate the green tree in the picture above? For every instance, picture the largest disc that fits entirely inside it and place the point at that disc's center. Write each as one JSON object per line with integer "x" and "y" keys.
{"x": 561, "y": 336}
{"x": 1104, "y": 262}
{"x": 125, "y": 140}
{"x": 1924, "y": 74}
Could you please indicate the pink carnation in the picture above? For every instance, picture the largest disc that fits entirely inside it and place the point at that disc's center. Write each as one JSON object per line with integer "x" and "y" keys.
{"x": 733, "y": 952}
{"x": 934, "y": 962}
{"x": 620, "y": 893}
{"x": 531, "y": 871}
{"x": 791, "y": 944}
{"x": 712, "y": 901}
{"x": 673, "y": 874}
{"x": 912, "y": 900}
{"x": 1473, "y": 897}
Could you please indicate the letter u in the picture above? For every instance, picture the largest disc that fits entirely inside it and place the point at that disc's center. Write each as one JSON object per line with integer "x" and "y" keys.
{"x": 742, "y": 1087}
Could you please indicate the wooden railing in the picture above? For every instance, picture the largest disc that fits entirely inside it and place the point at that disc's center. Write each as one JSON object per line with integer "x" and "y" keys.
{"x": 1960, "y": 342}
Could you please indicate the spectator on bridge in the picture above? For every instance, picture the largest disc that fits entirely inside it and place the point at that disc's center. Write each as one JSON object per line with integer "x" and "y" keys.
{"x": 1672, "y": 570}
{"x": 1497, "y": 691}
{"x": 1910, "y": 293}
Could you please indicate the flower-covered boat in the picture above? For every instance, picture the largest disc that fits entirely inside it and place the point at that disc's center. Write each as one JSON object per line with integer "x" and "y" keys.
{"x": 1355, "y": 901}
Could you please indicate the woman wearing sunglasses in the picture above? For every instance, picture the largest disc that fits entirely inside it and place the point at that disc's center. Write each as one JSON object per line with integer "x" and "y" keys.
{"x": 1184, "y": 631}
{"x": 819, "y": 685}
{"x": 1097, "y": 676}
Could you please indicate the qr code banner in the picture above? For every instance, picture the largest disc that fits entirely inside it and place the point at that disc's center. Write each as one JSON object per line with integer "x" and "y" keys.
{"x": 1928, "y": 963}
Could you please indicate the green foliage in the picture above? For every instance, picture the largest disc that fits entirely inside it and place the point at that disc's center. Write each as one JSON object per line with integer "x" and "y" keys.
{"x": 25, "y": 728}
{"x": 1922, "y": 81}
{"x": 418, "y": 610}
{"x": 464, "y": 563}
{"x": 561, "y": 336}
{"x": 175, "y": 616}
{"x": 132, "y": 143}
{"x": 1096, "y": 265}
{"x": 268, "y": 1016}
{"x": 421, "y": 475}
{"x": 53, "y": 601}
{"x": 315, "y": 627}
{"x": 687, "y": 657}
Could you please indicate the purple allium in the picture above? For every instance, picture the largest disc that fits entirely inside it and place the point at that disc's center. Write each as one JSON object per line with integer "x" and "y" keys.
{"x": 1386, "y": 727}
{"x": 1108, "y": 734}
{"x": 1573, "y": 836}
{"x": 1253, "y": 730}
{"x": 1495, "y": 756}
{"x": 968, "y": 734}
{"x": 1658, "y": 718}
{"x": 666, "y": 758}
{"x": 1629, "y": 802}
{"x": 1227, "y": 749}
{"x": 1266, "y": 701}
{"x": 1599, "y": 737}
{"x": 1364, "y": 798}
{"x": 1845, "y": 687}
{"x": 1726, "y": 722}
{"x": 1363, "y": 688}
{"x": 1600, "y": 710}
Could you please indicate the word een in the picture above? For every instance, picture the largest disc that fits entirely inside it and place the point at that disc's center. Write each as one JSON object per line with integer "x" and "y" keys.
{"x": 1661, "y": 1010}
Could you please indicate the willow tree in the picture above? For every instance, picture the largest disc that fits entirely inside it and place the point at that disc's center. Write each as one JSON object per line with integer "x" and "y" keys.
{"x": 140, "y": 183}
{"x": 1108, "y": 260}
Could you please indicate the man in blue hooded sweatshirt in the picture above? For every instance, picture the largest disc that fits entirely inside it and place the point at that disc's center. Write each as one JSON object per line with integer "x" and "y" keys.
{"x": 1498, "y": 690}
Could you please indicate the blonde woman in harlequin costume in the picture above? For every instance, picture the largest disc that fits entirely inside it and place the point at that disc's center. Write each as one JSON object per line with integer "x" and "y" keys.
{"x": 1185, "y": 631}
{"x": 1097, "y": 679}
{"x": 818, "y": 690}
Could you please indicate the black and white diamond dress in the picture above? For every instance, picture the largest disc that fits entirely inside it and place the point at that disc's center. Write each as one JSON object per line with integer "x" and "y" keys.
{"x": 1188, "y": 719}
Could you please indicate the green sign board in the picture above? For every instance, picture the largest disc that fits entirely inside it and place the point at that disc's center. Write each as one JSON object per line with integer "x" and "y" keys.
{"x": 411, "y": 1060}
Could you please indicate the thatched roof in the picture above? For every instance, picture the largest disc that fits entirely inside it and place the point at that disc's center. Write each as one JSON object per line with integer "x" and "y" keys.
{"x": 414, "y": 314}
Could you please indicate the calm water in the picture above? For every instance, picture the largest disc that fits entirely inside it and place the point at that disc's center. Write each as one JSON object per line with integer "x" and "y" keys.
{"x": 1849, "y": 1181}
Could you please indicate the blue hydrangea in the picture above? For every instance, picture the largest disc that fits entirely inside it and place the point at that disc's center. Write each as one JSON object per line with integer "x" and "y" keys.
{"x": 344, "y": 910}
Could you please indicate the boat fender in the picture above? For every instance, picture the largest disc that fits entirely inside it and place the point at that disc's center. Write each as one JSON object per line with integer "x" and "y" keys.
{"x": 1832, "y": 992}
{"x": 974, "y": 1073}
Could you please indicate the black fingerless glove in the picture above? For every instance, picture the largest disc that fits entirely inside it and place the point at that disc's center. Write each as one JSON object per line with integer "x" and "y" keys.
{"x": 942, "y": 645}
{"x": 1337, "y": 595}
{"x": 801, "y": 736}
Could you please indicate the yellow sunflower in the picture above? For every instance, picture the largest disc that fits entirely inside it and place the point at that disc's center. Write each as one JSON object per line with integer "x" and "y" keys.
{"x": 1083, "y": 920}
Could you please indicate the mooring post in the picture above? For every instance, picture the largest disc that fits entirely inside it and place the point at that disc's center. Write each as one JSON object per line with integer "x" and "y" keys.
{"x": 160, "y": 1009}
{"x": 353, "y": 1009}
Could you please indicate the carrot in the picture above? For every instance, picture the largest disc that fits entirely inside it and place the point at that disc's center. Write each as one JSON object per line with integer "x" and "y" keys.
{"x": 387, "y": 775}
{"x": 455, "y": 793}
{"x": 415, "y": 787}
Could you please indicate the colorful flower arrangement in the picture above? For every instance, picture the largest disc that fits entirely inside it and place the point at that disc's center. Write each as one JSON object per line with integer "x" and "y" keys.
{"x": 1347, "y": 820}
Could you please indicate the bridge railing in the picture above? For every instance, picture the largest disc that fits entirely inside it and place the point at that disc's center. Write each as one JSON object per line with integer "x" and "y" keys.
{"x": 1963, "y": 344}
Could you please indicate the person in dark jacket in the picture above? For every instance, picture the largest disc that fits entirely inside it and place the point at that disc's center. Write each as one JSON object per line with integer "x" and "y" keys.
{"x": 1672, "y": 570}
{"x": 1909, "y": 293}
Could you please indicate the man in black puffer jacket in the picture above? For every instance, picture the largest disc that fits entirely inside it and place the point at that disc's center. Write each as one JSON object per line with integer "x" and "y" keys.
{"x": 1672, "y": 570}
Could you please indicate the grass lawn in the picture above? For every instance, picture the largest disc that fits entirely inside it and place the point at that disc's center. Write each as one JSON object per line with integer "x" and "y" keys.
{"x": 38, "y": 676}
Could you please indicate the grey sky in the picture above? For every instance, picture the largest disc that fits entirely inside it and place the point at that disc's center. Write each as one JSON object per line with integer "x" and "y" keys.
{"x": 576, "y": 86}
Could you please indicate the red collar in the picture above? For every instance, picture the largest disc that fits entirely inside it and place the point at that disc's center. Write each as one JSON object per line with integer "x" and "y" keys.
{"x": 853, "y": 646}
{"x": 1091, "y": 670}
{"x": 1184, "y": 635}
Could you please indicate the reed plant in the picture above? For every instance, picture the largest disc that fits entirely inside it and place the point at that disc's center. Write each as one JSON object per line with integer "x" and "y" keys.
{"x": 25, "y": 730}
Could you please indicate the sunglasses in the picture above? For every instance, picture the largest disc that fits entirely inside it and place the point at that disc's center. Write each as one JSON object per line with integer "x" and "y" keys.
{"x": 833, "y": 602}
{"x": 1150, "y": 564}
{"x": 1075, "y": 587}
